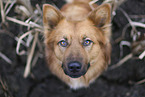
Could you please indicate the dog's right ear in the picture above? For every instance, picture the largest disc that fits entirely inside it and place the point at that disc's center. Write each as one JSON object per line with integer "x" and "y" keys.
{"x": 101, "y": 16}
{"x": 51, "y": 17}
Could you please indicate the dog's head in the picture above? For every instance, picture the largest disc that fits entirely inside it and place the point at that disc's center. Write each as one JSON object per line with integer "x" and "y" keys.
{"x": 77, "y": 45}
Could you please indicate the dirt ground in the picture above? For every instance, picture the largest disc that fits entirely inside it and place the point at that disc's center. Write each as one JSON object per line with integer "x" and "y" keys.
{"x": 118, "y": 82}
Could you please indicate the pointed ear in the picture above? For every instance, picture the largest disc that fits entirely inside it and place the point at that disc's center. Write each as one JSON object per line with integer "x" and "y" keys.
{"x": 51, "y": 17}
{"x": 101, "y": 16}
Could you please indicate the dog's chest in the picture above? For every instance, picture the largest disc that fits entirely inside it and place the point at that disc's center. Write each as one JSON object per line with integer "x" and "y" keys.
{"x": 76, "y": 83}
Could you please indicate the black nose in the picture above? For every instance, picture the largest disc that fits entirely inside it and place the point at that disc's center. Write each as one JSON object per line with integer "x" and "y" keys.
{"x": 74, "y": 67}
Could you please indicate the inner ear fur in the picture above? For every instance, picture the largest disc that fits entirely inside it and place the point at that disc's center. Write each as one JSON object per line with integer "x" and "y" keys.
{"x": 101, "y": 15}
{"x": 51, "y": 16}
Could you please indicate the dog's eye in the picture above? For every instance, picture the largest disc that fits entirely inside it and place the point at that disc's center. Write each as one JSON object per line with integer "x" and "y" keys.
{"x": 87, "y": 42}
{"x": 63, "y": 43}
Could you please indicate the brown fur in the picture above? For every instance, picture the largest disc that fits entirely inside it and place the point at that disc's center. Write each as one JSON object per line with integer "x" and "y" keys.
{"x": 76, "y": 21}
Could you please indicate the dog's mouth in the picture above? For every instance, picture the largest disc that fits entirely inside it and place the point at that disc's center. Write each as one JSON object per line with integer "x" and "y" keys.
{"x": 75, "y": 69}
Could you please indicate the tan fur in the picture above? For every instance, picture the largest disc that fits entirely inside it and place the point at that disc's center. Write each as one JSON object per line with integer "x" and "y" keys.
{"x": 74, "y": 22}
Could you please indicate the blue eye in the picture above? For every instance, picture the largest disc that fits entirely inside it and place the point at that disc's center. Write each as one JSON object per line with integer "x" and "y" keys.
{"x": 87, "y": 42}
{"x": 63, "y": 43}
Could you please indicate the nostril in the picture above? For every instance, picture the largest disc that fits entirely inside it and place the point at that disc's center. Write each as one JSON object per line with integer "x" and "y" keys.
{"x": 74, "y": 67}
{"x": 78, "y": 67}
{"x": 71, "y": 67}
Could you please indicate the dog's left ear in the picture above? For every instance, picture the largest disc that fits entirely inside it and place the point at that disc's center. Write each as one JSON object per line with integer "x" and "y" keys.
{"x": 101, "y": 16}
{"x": 51, "y": 17}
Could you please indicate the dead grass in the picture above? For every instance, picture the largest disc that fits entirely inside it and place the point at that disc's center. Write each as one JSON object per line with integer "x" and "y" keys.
{"x": 137, "y": 45}
{"x": 33, "y": 22}
{"x": 4, "y": 57}
{"x": 4, "y": 87}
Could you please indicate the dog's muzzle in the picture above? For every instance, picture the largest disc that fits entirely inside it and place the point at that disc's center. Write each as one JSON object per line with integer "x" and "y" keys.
{"x": 75, "y": 69}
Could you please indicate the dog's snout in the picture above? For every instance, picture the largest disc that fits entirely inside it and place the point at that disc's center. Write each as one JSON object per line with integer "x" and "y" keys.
{"x": 74, "y": 67}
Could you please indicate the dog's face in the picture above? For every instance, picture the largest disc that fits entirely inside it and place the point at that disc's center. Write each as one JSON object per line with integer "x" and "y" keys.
{"x": 77, "y": 44}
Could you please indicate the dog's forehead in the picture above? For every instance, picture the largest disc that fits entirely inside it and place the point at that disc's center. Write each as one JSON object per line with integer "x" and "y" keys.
{"x": 65, "y": 26}
{"x": 85, "y": 27}
{"x": 77, "y": 28}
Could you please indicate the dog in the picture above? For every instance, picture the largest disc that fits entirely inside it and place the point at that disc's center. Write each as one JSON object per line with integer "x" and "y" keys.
{"x": 77, "y": 41}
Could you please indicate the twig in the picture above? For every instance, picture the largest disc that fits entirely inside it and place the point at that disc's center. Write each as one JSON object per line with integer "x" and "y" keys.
{"x": 141, "y": 82}
{"x": 123, "y": 33}
{"x": 35, "y": 59}
{"x": 91, "y": 3}
{"x": 122, "y": 61}
{"x": 4, "y": 57}
{"x": 22, "y": 42}
{"x": 114, "y": 4}
{"x": 37, "y": 19}
{"x": 138, "y": 24}
{"x": 29, "y": 39}
{"x": 2, "y": 12}
{"x": 23, "y": 10}
{"x": 27, "y": 4}
{"x": 19, "y": 42}
{"x": 126, "y": 15}
{"x": 29, "y": 59}
{"x": 123, "y": 43}
{"x": 33, "y": 24}
{"x": 28, "y": 20}
{"x": 39, "y": 9}
{"x": 2, "y": 83}
{"x": 129, "y": 20}
{"x": 17, "y": 21}
{"x": 7, "y": 3}
{"x": 39, "y": 30}
{"x": 5, "y": 88}
{"x": 142, "y": 55}
{"x": 124, "y": 30}
{"x": 137, "y": 16}
{"x": 12, "y": 4}
{"x": 40, "y": 46}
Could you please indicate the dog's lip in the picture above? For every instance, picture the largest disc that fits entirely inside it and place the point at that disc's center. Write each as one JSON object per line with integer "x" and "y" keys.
{"x": 74, "y": 75}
